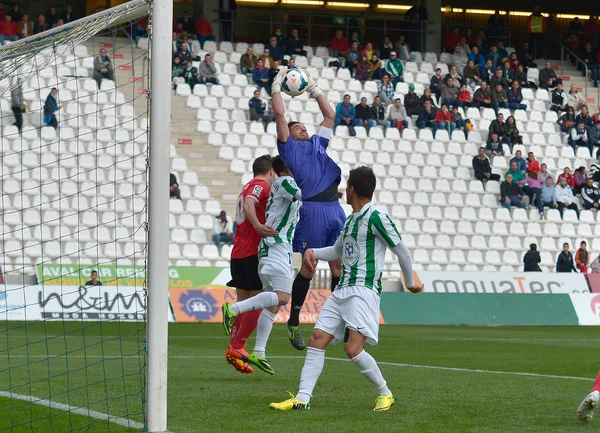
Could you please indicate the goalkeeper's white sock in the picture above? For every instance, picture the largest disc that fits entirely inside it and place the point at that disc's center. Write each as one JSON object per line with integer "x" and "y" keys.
{"x": 313, "y": 366}
{"x": 263, "y": 330}
{"x": 258, "y": 302}
{"x": 368, "y": 366}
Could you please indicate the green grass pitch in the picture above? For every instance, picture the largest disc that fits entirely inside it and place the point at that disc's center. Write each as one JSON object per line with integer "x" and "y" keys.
{"x": 208, "y": 395}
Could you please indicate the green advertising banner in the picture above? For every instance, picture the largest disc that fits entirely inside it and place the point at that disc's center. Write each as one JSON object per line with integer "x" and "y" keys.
{"x": 180, "y": 277}
{"x": 477, "y": 309}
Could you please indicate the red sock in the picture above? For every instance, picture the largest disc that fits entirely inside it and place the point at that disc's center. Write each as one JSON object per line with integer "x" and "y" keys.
{"x": 249, "y": 320}
{"x": 235, "y": 327}
{"x": 596, "y": 383}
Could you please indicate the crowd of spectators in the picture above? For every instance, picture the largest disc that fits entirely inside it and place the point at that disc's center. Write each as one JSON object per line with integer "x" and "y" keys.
{"x": 15, "y": 25}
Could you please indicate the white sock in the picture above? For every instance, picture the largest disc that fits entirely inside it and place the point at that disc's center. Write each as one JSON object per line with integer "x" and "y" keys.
{"x": 258, "y": 302}
{"x": 368, "y": 366}
{"x": 313, "y": 366}
{"x": 263, "y": 330}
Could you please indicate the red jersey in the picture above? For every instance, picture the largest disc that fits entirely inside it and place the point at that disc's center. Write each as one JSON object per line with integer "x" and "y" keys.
{"x": 246, "y": 238}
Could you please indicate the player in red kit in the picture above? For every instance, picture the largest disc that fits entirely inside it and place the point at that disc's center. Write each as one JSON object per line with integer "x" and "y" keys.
{"x": 250, "y": 228}
{"x": 586, "y": 409}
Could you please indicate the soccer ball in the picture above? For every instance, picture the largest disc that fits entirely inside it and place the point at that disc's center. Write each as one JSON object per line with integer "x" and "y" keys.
{"x": 295, "y": 82}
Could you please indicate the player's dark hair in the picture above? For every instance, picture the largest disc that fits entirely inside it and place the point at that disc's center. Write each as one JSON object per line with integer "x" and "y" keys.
{"x": 94, "y": 272}
{"x": 262, "y": 165}
{"x": 290, "y": 124}
{"x": 279, "y": 165}
{"x": 363, "y": 180}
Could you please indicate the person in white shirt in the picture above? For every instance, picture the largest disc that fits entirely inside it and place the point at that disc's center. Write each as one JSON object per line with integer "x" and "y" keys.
{"x": 564, "y": 197}
{"x": 222, "y": 230}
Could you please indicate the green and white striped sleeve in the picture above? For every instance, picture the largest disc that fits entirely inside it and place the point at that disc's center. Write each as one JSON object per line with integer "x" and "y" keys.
{"x": 289, "y": 189}
{"x": 385, "y": 229}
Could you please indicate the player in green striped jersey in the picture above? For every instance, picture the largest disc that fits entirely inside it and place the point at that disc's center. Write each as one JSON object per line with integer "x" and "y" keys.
{"x": 275, "y": 263}
{"x": 351, "y": 313}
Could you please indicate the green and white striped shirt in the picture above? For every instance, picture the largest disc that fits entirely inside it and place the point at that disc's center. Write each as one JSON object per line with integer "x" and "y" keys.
{"x": 282, "y": 210}
{"x": 363, "y": 242}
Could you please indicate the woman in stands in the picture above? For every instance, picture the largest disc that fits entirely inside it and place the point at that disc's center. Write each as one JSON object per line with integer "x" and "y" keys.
{"x": 567, "y": 121}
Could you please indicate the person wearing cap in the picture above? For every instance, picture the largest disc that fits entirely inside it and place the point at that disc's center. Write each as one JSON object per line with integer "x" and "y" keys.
{"x": 412, "y": 102}
{"x": 531, "y": 260}
{"x": 394, "y": 69}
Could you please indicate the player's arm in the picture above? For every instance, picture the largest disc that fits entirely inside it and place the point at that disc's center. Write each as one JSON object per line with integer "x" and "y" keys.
{"x": 317, "y": 94}
{"x": 283, "y": 132}
{"x": 291, "y": 190}
{"x": 329, "y": 254}
{"x": 250, "y": 204}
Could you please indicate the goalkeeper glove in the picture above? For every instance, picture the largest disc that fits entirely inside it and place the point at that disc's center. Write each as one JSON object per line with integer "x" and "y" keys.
{"x": 313, "y": 90}
{"x": 276, "y": 86}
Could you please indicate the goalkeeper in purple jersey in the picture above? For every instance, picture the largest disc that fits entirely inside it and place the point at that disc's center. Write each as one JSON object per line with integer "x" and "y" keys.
{"x": 318, "y": 176}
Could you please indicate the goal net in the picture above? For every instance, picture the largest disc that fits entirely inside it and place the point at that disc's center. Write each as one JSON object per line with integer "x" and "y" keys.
{"x": 73, "y": 226}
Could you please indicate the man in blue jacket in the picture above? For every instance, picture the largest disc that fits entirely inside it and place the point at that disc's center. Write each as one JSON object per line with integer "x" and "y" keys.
{"x": 345, "y": 113}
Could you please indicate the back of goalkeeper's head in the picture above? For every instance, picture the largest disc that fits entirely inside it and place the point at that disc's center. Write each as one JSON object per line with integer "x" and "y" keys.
{"x": 280, "y": 168}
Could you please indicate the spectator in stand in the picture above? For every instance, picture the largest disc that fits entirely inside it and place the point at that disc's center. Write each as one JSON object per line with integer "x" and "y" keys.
{"x": 8, "y": 30}
{"x": 395, "y": 69}
{"x": 15, "y": 13}
{"x": 103, "y": 68}
{"x": 345, "y": 113}
{"x": 520, "y": 76}
{"x": 564, "y": 262}
{"x": 544, "y": 173}
{"x": 594, "y": 134}
{"x": 418, "y": 14}
{"x": 258, "y": 110}
{"x": 278, "y": 35}
{"x": 514, "y": 171}
{"x": 464, "y": 46}
{"x": 459, "y": 58}
{"x": 452, "y": 40}
{"x": 564, "y": 197}
{"x": 449, "y": 93}
{"x": 590, "y": 195}
{"x": 426, "y": 117}
{"x": 595, "y": 266}
{"x": 385, "y": 90}
{"x": 548, "y": 195}
{"x": 513, "y": 132}
{"x": 575, "y": 47}
{"x": 368, "y": 51}
{"x": 513, "y": 61}
{"x": 139, "y": 28}
{"x": 436, "y": 79}
{"x": 575, "y": 99}
{"x": 293, "y": 45}
{"x": 267, "y": 59}
{"x": 248, "y": 61}
{"x": 276, "y": 50}
{"x": 498, "y": 78}
{"x": 515, "y": 97}
{"x": 291, "y": 63}
{"x": 375, "y": 67}
{"x": 2, "y": 12}
{"x": 94, "y": 281}
{"x": 536, "y": 26}
{"x": 208, "y": 71}
{"x": 590, "y": 27}
{"x": 506, "y": 73}
{"x": 443, "y": 120}
{"x": 521, "y": 163}
{"x": 579, "y": 137}
{"x": 52, "y": 16}
{"x": 470, "y": 38}
{"x": 584, "y": 116}
{"x": 582, "y": 258}
{"x": 455, "y": 76}
{"x": 67, "y": 15}
{"x": 339, "y": 44}
{"x": 260, "y": 76}
{"x": 174, "y": 191}
{"x": 483, "y": 96}
{"x": 187, "y": 23}
{"x": 204, "y": 30}
{"x": 482, "y": 167}
{"x": 590, "y": 59}
{"x": 354, "y": 38}
{"x": 595, "y": 168}
{"x": 499, "y": 97}
{"x": 177, "y": 71}
{"x": 222, "y": 230}
{"x": 477, "y": 58}
{"x": 511, "y": 194}
{"x": 494, "y": 57}
{"x": 532, "y": 163}
{"x": 397, "y": 115}
{"x": 525, "y": 56}
{"x": 567, "y": 121}
{"x": 494, "y": 146}
{"x": 580, "y": 179}
{"x": 364, "y": 116}
{"x": 273, "y": 71}
{"x": 465, "y": 96}
{"x": 24, "y": 27}
{"x": 487, "y": 73}
{"x": 227, "y": 9}
{"x": 458, "y": 120}
{"x": 412, "y": 102}
{"x": 532, "y": 259}
{"x": 362, "y": 72}
{"x": 190, "y": 74}
{"x": 568, "y": 176}
{"x": 352, "y": 57}
{"x": 532, "y": 188}
{"x": 385, "y": 48}
{"x": 378, "y": 114}
{"x": 575, "y": 27}
{"x": 185, "y": 52}
{"x": 426, "y": 96}
{"x": 471, "y": 74}
{"x": 501, "y": 129}
{"x": 18, "y": 103}
{"x": 495, "y": 23}
{"x": 548, "y": 78}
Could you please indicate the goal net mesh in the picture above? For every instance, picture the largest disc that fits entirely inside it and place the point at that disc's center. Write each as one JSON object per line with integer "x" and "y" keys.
{"x": 73, "y": 185}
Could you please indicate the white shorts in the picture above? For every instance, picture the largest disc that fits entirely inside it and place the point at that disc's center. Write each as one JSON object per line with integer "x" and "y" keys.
{"x": 275, "y": 267}
{"x": 355, "y": 308}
